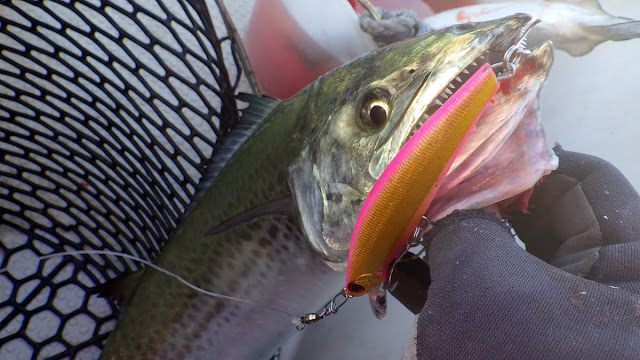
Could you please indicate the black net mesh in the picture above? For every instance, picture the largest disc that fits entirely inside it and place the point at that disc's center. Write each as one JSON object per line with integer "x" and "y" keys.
{"x": 109, "y": 113}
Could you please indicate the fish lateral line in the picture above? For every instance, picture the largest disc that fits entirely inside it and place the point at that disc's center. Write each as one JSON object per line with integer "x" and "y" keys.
{"x": 155, "y": 267}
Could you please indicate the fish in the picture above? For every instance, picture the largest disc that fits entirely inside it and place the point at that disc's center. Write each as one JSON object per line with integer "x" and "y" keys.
{"x": 574, "y": 26}
{"x": 402, "y": 194}
{"x": 282, "y": 196}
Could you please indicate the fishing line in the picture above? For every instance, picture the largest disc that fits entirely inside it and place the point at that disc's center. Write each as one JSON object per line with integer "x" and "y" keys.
{"x": 157, "y": 268}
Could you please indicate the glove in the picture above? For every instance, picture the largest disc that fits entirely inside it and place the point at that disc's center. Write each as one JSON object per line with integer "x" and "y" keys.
{"x": 574, "y": 294}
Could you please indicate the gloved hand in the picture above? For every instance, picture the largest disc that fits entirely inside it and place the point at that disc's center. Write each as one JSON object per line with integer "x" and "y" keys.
{"x": 574, "y": 295}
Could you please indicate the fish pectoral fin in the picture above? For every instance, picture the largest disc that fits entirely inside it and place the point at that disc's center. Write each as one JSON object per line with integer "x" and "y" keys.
{"x": 120, "y": 288}
{"x": 282, "y": 205}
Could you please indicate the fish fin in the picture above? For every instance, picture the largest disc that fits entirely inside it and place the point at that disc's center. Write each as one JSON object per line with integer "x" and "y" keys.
{"x": 619, "y": 32}
{"x": 280, "y": 205}
{"x": 252, "y": 117}
{"x": 625, "y": 30}
{"x": 120, "y": 288}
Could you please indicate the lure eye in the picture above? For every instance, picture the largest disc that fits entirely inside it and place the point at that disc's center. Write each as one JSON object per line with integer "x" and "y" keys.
{"x": 355, "y": 289}
{"x": 375, "y": 109}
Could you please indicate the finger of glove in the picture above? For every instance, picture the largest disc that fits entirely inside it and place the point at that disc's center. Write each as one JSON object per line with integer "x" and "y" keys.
{"x": 585, "y": 219}
{"x": 491, "y": 299}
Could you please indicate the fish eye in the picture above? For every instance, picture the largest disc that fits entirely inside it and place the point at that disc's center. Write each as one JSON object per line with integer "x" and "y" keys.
{"x": 374, "y": 112}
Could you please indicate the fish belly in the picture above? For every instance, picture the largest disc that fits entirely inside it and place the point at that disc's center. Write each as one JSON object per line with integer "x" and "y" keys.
{"x": 266, "y": 261}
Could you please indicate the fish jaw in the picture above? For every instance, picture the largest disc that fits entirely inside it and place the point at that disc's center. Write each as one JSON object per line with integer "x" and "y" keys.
{"x": 407, "y": 186}
{"x": 507, "y": 153}
{"x": 334, "y": 173}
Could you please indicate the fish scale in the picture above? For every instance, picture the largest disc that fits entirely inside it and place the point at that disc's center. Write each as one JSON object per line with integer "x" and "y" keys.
{"x": 203, "y": 319}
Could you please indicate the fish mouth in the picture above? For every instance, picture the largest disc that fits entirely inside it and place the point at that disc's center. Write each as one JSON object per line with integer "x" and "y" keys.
{"x": 485, "y": 42}
{"x": 451, "y": 88}
{"x": 494, "y": 55}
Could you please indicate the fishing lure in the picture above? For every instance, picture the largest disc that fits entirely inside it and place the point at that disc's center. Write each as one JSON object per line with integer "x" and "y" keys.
{"x": 394, "y": 208}
{"x": 391, "y": 219}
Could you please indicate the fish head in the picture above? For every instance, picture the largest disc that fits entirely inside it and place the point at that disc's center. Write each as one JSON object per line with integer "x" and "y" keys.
{"x": 363, "y": 113}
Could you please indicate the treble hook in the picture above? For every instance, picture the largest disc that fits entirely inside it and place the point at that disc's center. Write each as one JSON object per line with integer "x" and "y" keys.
{"x": 513, "y": 55}
{"x": 413, "y": 241}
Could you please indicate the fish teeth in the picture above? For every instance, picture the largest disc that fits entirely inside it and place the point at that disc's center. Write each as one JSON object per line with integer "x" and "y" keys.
{"x": 451, "y": 86}
{"x": 465, "y": 71}
{"x": 438, "y": 102}
{"x": 458, "y": 79}
{"x": 474, "y": 63}
{"x": 448, "y": 92}
{"x": 443, "y": 95}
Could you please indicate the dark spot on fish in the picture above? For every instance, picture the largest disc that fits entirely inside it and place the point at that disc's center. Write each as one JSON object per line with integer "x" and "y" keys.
{"x": 209, "y": 316}
{"x": 226, "y": 319}
{"x": 285, "y": 248}
{"x": 194, "y": 306}
{"x": 196, "y": 333}
{"x": 210, "y": 277}
{"x": 273, "y": 231}
{"x": 335, "y": 197}
{"x": 246, "y": 236}
{"x": 265, "y": 242}
{"x": 270, "y": 257}
{"x": 191, "y": 316}
{"x": 289, "y": 227}
{"x": 233, "y": 287}
{"x": 411, "y": 71}
{"x": 218, "y": 307}
{"x": 254, "y": 226}
{"x": 244, "y": 272}
{"x": 231, "y": 252}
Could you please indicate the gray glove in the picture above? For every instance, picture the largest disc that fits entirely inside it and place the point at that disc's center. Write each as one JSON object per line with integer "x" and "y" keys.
{"x": 575, "y": 294}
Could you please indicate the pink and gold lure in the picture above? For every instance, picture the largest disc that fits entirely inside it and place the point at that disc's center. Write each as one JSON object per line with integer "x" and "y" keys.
{"x": 405, "y": 189}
